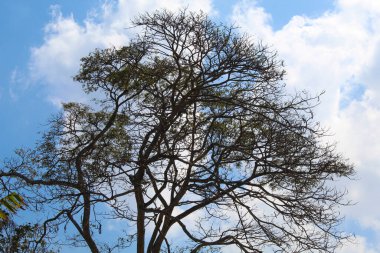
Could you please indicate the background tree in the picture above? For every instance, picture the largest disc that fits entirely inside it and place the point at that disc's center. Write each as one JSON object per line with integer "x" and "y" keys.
{"x": 193, "y": 130}
{"x": 65, "y": 177}
{"x": 21, "y": 239}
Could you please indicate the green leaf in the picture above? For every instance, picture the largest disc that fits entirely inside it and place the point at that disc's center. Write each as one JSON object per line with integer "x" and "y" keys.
{"x": 12, "y": 203}
{"x": 3, "y": 215}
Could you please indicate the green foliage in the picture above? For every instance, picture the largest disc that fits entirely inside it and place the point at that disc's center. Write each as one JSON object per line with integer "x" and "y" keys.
{"x": 10, "y": 204}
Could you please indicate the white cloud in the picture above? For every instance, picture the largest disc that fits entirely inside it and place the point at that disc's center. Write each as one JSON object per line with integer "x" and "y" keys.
{"x": 331, "y": 52}
{"x": 252, "y": 19}
{"x": 359, "y": 245}
{"x": 66, "y": 40}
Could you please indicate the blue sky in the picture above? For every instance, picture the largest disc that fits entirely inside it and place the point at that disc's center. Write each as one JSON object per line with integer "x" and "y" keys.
{"x": 327, "y": 45}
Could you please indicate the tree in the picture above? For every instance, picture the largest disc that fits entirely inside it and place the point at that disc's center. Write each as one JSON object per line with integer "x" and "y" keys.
{"x": 22, "y": 238}
{"x": 192, "y": 129}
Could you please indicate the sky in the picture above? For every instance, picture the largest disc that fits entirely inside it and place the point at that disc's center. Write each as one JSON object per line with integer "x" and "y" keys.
{"x": 327, "y": 45}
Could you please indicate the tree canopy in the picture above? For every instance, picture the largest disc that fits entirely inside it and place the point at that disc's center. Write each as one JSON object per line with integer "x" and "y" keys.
{"x": 192, "y": 133}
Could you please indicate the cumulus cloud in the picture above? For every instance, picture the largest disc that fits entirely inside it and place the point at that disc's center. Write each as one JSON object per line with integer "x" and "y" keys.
{"x": 320, "y": 53}
{"x": 337, "y": 52}
{"x": 66, "y": 40}
{"x": 252, "y": 19}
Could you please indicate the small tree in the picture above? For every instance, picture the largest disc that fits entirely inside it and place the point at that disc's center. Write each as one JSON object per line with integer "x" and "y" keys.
{"x": 194, "y": 130}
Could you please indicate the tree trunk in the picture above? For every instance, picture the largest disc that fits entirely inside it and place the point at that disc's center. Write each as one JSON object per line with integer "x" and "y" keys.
{"x": 140, "y": 220}
{"x": 86, "y": 225}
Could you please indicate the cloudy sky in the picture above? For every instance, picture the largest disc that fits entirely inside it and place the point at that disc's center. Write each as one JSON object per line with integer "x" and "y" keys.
{"x": 327, "y": 45}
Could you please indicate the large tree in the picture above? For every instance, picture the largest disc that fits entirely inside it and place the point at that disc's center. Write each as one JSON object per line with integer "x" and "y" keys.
{"x": 192, "y": 130}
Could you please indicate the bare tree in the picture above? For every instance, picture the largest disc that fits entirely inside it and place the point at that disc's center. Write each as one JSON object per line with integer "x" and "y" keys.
{"x": 194, "y": 131}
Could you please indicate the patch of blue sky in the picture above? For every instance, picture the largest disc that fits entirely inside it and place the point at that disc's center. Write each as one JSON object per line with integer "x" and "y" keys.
{"x": 350, "y": 92}
{"x": 22, "y": 116}
{"x": 282, "y": 11}
{"x": 360, "y": 230}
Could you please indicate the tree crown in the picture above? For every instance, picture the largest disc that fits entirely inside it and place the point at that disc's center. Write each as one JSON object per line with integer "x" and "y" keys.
{"x": 194, "y": 130}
